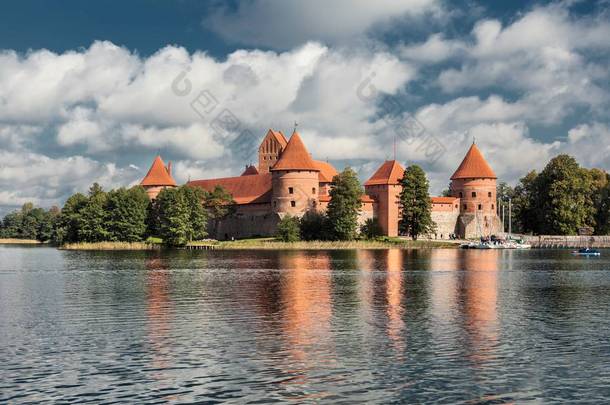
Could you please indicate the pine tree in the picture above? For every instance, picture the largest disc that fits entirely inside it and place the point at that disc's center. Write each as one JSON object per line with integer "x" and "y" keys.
{"x": 344, "y": 206}
{"x": 416, "y": 206}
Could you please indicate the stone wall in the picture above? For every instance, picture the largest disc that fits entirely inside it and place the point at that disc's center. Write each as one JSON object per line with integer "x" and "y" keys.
{"x": 245, "y": 226}
{"x": 446, "y": 223}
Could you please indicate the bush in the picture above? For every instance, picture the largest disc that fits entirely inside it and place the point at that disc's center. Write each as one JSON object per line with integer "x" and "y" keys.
{"x": 314, "y": 226}
{"x": 288, "y": 229}
{"x": 371, "y": 229}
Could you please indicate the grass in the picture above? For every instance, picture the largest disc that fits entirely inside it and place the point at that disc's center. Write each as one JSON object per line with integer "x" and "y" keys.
{"x": 381, "y": 243}
{"x": 12, "y": 241}
{"x": 110, "y": 246}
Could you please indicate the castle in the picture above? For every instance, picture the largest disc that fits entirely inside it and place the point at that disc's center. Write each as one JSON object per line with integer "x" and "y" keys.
{"x": 288, "y": 181}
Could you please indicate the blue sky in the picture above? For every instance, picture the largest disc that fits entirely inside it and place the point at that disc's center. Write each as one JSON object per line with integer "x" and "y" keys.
{"x": 91, "y": 91}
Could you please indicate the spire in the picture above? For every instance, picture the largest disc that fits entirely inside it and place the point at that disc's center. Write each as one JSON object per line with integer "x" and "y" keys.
{"x": 158, "y": 175}
{"x": 474, "y": 165}
{"x": 295, "y": 156}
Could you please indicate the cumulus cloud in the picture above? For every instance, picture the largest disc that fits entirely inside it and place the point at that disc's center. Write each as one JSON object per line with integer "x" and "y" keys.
{"x": 287, "y": 23}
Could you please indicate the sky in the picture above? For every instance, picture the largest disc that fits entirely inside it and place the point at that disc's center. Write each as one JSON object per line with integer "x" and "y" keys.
{"x": 92, "y": 91}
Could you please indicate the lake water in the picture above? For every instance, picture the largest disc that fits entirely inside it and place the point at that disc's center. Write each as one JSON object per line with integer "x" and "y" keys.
{"x": 375, "y": 326}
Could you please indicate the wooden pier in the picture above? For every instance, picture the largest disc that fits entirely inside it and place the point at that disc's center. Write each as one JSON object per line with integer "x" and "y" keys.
{"x": 199, "y": 247}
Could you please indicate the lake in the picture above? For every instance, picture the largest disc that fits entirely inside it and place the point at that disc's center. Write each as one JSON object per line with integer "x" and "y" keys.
{"x": 375, "y": 326}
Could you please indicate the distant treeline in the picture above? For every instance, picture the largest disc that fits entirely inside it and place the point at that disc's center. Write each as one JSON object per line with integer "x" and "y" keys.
{"x": 177, "y": 216}
{"x": 560, "y": 200}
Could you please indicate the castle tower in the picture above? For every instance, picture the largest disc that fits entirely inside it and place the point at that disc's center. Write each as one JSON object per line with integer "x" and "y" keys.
{"x": 158, "y": 177}
{"x": 384, "y": 186}
{"x": 270, "y": 150}
{"x": 295, "y": 180}
{"x": 474, "y": 183}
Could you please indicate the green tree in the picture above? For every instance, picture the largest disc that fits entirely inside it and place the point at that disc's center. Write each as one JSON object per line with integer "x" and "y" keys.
{"x": 219, "y": 203}
{"x": 93, "y": 226}
{"x": 314, "y": 226}
{"x": 126, "y": 211}
{"x": 178, "y": 215}
{"x": 47, "y": 224}
{"x": 344, "y": 206}
{"x": 371, "y": 228}
{"x": 416, "y": 206}
{"x": 564, "y": 193}
{"x": 288, "y": 229}
{"x": 198, "y": 215}
{"x": 67, "y": 225}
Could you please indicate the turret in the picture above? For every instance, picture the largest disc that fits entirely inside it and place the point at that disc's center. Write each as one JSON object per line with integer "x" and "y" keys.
{"x": 295, "y": 180}
{"x": 158, "y": 177}
{"x": 384, "y": 186}
{"x": 474, "y": 183}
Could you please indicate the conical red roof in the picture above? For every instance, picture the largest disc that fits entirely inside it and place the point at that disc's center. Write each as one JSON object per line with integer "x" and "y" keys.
{"x": 158, "y": 175}
{"x": 295, "y": 156}
{"x": 390, "y": 172}
{"x": 474, "y": 165}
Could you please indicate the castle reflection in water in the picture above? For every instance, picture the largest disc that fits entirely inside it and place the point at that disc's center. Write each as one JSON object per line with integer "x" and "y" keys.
{"x": 309, "y": 309}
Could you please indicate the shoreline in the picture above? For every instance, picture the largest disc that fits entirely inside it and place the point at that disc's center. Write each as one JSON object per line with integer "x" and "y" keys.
{"x": 13, "y": 241}
{"x": 269, "y": 244}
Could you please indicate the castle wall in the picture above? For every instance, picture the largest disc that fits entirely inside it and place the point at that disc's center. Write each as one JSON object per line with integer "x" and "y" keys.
{"x": 446, "y": 223}
{"x": 245, "y": 226}
{"x": 469, "y": 227}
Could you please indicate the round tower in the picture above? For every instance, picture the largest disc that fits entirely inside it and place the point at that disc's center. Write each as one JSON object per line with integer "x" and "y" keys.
{"x": 474, "y": 183}
{"x": 295, "y": 180}
{"x": 158, "y": 177}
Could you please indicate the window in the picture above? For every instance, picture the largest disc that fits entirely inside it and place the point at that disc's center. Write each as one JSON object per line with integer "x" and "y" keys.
{"x": 480, "y": 208}
{"x": 293, "y": 203}
{"x": 456, "y": 205}
{"x": 461, "y": 194}
{"x": 290, "y": 190}
{"x": 474, "y": 194}
{"x": 492, "y": 206}
{"x": 274, "y": 204}
{"x": 465, "y": 206}
{"x": 489, "y": 194}
{"x": 313, "y": 190}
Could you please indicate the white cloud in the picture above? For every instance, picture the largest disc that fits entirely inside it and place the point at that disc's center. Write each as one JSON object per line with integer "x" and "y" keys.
{"x": 286, "y": 23}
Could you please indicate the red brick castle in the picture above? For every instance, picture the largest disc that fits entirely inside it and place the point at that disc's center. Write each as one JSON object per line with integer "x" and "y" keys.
{"x": 288, "y": 180}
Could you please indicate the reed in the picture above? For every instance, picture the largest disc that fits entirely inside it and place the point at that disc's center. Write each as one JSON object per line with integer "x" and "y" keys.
{"x": 331, "y": 245}
{"x": 12, "y": 241}
{"x": 110, "y": 246}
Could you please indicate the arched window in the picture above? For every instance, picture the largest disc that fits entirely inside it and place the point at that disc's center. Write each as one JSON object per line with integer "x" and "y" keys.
{"x": 480, "y": 207}
{"x": 293, "y": 203}
{"x": 474, "y": 194}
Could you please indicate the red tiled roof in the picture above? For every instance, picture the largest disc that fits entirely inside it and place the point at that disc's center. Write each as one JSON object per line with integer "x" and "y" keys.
{"x": 474, "y": 165}
{"x": 295, "y": 156}
{"x": 327, "y": 171}
{"x": 250, "y": 170}
{"x": 390, "y": 172}
{"x": 158, "y": 175}
{"x": 443, "y": 200}
{"x": 255, "y": 188}
{"x": 280, "y": 137}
